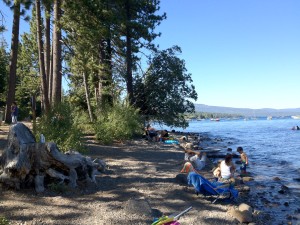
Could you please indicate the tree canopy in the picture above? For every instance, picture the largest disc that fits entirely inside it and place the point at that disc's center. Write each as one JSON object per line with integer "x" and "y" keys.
{"x": 165, "y": 92}
{"x": 96, "y": 46}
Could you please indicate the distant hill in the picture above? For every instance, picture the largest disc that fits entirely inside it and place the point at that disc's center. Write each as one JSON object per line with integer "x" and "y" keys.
{"x": 246, "y": 111}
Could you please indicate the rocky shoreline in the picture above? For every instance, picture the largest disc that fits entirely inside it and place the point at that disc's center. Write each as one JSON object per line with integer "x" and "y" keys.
{"x": 274, "y": 200}
{"x": 141, "y": 183}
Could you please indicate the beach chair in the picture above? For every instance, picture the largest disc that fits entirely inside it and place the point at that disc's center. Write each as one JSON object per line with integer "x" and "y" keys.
{"x": 214, "y": 189}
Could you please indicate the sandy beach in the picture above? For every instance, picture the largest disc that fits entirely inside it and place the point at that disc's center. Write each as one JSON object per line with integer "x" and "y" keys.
{"x": 140, "y": 184}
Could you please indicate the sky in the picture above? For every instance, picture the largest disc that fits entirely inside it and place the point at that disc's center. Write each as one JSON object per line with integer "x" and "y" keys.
{"x": 241, "y": 53}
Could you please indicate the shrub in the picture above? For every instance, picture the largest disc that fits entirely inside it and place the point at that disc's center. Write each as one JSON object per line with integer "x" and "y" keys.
{"x": 120, "y": 122}
{"x": 58, "y": 188}
{"x": 58, "y": 126}
{"x": 3, "y": 221}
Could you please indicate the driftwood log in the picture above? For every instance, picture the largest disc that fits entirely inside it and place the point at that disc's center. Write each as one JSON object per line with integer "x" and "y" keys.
{"x": 28, "y": 163}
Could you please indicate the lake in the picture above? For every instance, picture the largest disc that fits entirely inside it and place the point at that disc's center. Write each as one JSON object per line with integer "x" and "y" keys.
{"x": 272, "y": 146}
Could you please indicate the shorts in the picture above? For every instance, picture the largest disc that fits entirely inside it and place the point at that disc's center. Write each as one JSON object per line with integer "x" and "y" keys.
{"x": 243, "y": 167}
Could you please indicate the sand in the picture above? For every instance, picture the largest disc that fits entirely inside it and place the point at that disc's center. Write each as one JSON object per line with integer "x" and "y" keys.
{"x": 139, "y": 185}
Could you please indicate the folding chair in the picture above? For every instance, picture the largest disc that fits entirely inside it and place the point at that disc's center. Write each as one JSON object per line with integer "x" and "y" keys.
{"x": 207, "y": 188}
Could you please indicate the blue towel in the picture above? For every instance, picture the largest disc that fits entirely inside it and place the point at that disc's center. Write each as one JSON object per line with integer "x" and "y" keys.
{"x": 171, "y": 142}
{"x": 206, "y": 187}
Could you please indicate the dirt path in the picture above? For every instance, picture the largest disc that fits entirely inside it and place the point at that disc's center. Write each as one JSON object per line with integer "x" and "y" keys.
{"x": 140, "y": 174}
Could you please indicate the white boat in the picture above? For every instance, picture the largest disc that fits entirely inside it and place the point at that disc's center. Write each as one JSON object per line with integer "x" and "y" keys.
{"x": 269, "y": 117}
{"x": 296, "y": 117}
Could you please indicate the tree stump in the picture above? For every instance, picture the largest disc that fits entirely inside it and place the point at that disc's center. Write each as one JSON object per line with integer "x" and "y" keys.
{"x": 28, "y": 163}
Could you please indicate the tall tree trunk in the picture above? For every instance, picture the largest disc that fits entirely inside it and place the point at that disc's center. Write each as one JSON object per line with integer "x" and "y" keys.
{"x": 57, "y": 75}
{"x": 13, "y": 62}
{"x": 105, "y": 73}
{"x": 41, "y": 57}
{"x": 33, "y": 112}
{"x": 87, "y": 96}
{"x": 129, "y": 79}
{"x": 51, "y": 75}
{"x": 47, "y": 42}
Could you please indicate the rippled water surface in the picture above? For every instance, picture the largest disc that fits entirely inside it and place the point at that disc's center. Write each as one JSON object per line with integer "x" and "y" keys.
{"x": 273, "y": 149}
{"x": 272, "y": 146}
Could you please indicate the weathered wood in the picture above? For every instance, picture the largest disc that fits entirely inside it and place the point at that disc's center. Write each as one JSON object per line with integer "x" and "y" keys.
{"x": 25, "y": 162}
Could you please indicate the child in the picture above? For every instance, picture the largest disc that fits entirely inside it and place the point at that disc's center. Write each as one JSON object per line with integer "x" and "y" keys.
{"x": 195, "y": 161}
{"x": 244, "y": 159}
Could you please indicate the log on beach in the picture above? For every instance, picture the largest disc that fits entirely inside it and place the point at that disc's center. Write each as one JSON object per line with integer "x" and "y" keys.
{"x": 28, "y": 163}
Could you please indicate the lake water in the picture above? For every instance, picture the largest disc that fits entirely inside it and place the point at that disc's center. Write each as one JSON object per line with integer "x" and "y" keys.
{"x": 272, "y": 146}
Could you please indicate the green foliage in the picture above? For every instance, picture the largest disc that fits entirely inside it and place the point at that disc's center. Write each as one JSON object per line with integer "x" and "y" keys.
{"x": 4, "y": 61}
{"x": 165, "y": 92}
{"x": 209, "y": 115}
{"x": 82, "y": 119}
{"x": 3, "y": 221}
{"x": 119, "y": 122}
{"x": 58, "y": 126}
{"x": 58, "y": 187}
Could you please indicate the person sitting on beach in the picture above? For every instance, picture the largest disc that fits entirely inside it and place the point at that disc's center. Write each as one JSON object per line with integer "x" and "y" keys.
{"x": 244, "y": 160}
{"x": 164, "y": 135}
{"x": 151, "y": 133}
{"x": 227, "y": 169}
{"x": 196, "y": 161}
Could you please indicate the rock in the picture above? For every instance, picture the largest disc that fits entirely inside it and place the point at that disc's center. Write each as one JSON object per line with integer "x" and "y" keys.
{"x": 256, "y": 212}
{"x": 241, "y": 216}
{"x": 286, "y": 204}
{"x": 289, "y": 217}
{"x": 243, "y": 188}
{"x": 276, "y": 179}
{"x": 138, "y": 206}
{"x": 283, "y": 187}
{"x": 244, "y": 206}
{"x": 229, "y": 149}
{"x": 247, "y": 179}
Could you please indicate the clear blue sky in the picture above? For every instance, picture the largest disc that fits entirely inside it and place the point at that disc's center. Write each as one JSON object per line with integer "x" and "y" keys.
{"x": 241, "y": 53}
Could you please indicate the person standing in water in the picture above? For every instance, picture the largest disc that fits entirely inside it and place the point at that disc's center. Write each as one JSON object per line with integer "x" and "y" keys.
{"x": 244, "y": 160}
